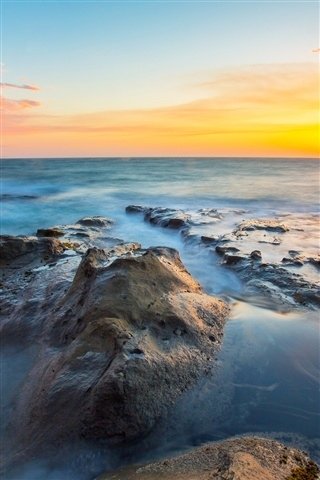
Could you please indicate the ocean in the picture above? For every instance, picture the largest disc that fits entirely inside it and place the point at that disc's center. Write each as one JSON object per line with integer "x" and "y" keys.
{"x": 268, "y": 376}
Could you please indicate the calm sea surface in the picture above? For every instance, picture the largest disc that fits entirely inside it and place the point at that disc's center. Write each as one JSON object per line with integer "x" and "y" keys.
{"x": 268, "y": 376}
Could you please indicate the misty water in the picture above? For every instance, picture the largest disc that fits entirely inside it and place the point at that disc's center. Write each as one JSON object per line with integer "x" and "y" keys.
{"x": 267, "y": 380}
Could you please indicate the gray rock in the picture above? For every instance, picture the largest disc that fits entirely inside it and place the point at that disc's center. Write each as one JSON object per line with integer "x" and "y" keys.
{"x": 256, "y": 255}
{"x": 164, "y": 217}
{"x": 95, "y": 221}
{"x": 226, "y": 249}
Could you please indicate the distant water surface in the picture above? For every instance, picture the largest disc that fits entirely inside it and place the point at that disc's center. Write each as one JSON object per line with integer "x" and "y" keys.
{"x": 67, "y": 188}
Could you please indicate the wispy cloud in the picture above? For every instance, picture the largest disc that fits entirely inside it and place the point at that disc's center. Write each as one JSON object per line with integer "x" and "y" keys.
{"x": 21, "y": 86}
{"x": 10, "y": 105}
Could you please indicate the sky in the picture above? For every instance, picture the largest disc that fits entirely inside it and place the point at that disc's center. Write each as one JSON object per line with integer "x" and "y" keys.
{"x": 159, "y": 78}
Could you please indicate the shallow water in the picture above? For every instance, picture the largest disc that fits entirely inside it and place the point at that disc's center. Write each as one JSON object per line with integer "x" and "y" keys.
{"x": 268, "y": 375}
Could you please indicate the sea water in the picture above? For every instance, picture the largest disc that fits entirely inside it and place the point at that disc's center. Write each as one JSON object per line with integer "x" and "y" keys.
{"x": 267, "y": 380}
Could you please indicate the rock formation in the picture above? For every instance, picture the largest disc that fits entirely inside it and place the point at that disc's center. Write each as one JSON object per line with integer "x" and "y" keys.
{"x": 131, "y": 333}
{"x": 247, "y": 458}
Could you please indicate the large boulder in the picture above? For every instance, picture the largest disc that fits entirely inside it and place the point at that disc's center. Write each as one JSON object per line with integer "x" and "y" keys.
{"x": 248, "y": 458}
{"x": 126, "y": 339}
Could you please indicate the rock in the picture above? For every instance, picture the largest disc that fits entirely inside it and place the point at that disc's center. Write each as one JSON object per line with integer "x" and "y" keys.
{"x": 295, "y": 262}
{"x": 164, "y": 217}
{"x": 210, "y": 212}
{"x": 135, "y": 209}
{"x": 95, "y": 221}
{"x": 271, "y": 241}
{"x": 123, "y": 343}
{"x": 167, "y": 217}
{"x": 294, "y": 253}
{"x": 24, "y": 250}
{"x": 256, "y": 255}
{"x": 247, "y": 458}
{"x": 282, "y": 286}
{"x": 270, "y": 225}
{"x": 208, "y": 240}
{"x": 231, "y": 259}
{"x": 50, "y": 232}
{"x": 315, "y": 261}
{"x": 222, "y": 250}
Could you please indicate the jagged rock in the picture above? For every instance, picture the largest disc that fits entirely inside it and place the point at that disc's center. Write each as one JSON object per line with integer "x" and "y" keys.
{"x": 270, "y": 225}
{"x": 24, "y": 250}
{"x": 126, "y": 339}
{"x": 222, "y": 250}
{"x": 296, "y": 262}
{"x": 256, "y": 255}
{"x": 247, "y": 458}
{"x": 210, "y": 212}
{"x": 50, "y": 232}
{"x": 232, "y": 259}
{"x": 165, "y": 217}
{"x": 95, "y": 221}
{"x": 208, "y": 240}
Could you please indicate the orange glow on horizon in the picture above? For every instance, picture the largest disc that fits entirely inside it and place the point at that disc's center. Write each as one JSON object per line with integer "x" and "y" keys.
{"x": 270, "y": 110}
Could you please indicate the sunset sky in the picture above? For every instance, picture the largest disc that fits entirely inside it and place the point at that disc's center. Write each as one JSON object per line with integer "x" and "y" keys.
{"x": 160, "y": 78}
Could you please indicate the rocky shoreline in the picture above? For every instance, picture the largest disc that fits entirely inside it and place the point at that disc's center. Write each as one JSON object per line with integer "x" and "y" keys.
{"x": 121, "y": 331}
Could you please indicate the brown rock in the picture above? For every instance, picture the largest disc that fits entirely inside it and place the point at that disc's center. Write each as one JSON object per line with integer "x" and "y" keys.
{"x": 24, "y": 250}
{"x": 50, "y": 232}
{"x": 248, "y": 458}
{"x": 270, "y": 225}
{"x": 126, "y": 340}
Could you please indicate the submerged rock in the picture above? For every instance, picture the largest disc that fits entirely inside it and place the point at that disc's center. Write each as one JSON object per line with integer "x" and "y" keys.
{"x": 126, "y": 339}
{"x": 247, "y": 458}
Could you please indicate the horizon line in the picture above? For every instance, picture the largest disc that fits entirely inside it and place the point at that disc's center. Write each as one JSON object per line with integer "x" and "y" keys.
{"x": 162, "y": 157}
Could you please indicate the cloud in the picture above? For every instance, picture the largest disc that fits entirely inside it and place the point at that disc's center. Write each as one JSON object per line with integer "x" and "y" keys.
{"x": 23, "y": 86}
{"x": 10, "y": 105}
{"x": 316, "y": 50}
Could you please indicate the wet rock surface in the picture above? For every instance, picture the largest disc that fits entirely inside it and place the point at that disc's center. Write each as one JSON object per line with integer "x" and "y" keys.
{"x": 96, "y": 221}
{"x": 236, "y": 459}
{"x": 25, "y": 250}
{"x": 244, "y": 246}
{"x": 50, "y": 232}
{"x": 121, "y": 335}
{"x": 271, "y": 225}
{"x": 164, "y": 217}
{"x": 121, "y": 332}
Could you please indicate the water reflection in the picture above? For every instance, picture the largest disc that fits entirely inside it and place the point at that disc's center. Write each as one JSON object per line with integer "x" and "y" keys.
{"x": 267, "y": 380}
